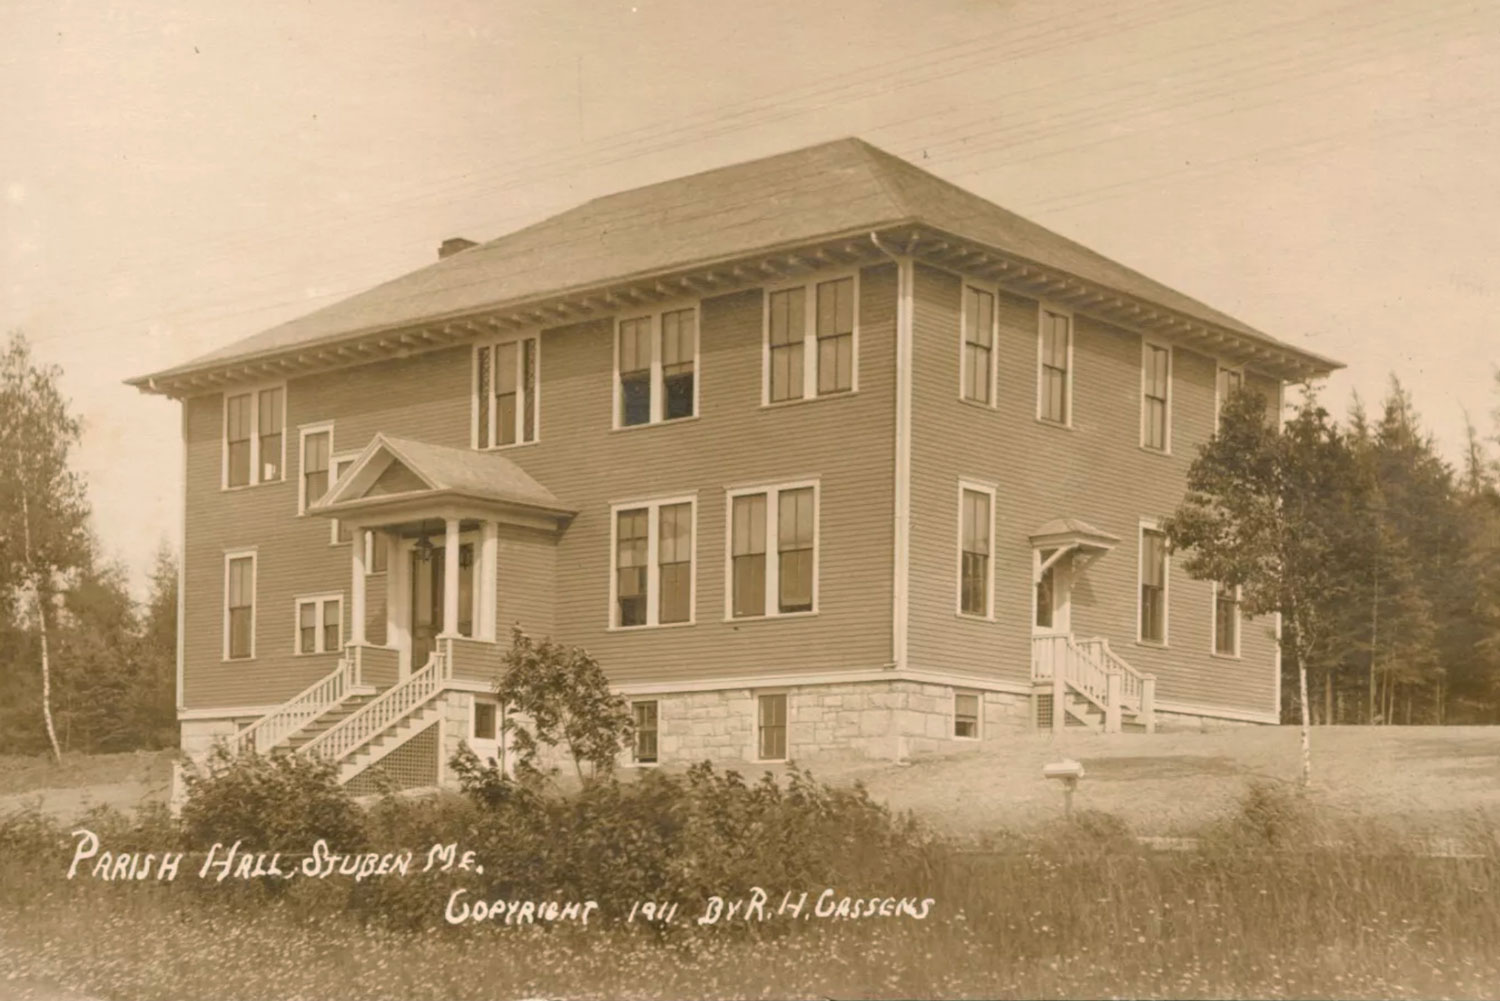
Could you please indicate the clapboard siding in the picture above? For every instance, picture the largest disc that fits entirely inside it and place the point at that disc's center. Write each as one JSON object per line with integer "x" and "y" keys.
{"x": 1095, "y": 471}
{"x": 847, "y": 443}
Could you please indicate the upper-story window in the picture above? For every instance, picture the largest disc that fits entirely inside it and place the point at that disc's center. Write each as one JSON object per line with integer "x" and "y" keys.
{"x": 812, "y": 339}
{"x": 1156, "y": 397}
{"x": 656, "y": 367}
{"x": 653, "y": 578}
{"x": 339, "y": 532}
{"x": 1055, "y": 367}
{"x": 977, "y": 364}
{"x": 507, "y": 403}
{"x": 254, "y": 442}
{"x": 317, "y": 456}
{"x": 1153, "y": 577}
{"x": 975, "y": 512}
{"x": 788, "y": 584}
{"x": 1229, "y": 381}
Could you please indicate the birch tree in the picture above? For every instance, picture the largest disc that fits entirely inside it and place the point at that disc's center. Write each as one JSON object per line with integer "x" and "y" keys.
{"x": 1270, "y": 510}
{"x": 43, "y": 513}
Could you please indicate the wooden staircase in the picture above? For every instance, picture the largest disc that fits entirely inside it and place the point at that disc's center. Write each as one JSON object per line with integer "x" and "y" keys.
{"x": 339, "y": 712}
{"x": 1084, "y": 683}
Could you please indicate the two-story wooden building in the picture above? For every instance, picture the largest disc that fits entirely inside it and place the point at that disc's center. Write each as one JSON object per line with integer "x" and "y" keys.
{"x": 815, "y": 453}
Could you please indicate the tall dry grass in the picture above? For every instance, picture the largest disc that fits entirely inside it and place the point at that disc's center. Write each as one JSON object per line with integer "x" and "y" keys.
{"x": 1274, "y": 902}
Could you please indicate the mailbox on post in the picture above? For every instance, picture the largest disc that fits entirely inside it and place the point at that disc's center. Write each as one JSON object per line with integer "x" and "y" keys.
{"x": 1068, "y": 772}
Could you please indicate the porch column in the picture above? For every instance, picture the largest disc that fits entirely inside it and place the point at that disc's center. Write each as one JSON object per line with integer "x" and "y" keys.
{"x": 357, "y": 609}
{"x": 488, "y": 571}
{"x": 450, "y": 578}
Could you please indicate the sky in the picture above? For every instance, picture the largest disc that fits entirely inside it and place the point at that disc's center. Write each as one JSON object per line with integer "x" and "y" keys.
{"x": 178, "y": 174}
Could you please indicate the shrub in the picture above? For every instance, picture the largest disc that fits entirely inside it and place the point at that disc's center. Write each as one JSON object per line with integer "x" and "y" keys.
{"x": 280, "y": 803}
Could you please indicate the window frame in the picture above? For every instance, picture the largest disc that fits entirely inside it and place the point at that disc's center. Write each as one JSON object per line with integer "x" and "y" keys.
{"x": 785, "y": 725}
{"x": 658, "y": 402}
{"x": 320, "y": 601}
{"x": 474, "y": 719}
{"x": 637, "y": 730}
{"x": 1147, "y": 346}
{"x": 1153, "y": 525}
{"x": 1213, "y": 623}
{"x": 772, "y": 492}
{"x": 254, "y": 392}
{"x": 993, "y": 292}
{"x": 1220, "y": 367}
{"x": 492, "y": 424}
{"x": 809, "y": 285}
{"x": 988, "y": 490}
{"x": 978, "y": 698}
{"x": 334, "y": 460}
{"x": 229, "y": 557}
{"x": 1043, "y": 309}
{"x": 304, "y": 432}
{"x": 372, "y": 546}
{"x": 653, "y": 508}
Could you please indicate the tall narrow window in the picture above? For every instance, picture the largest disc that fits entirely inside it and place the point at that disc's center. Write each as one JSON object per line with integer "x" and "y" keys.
{"x": 506, "y": 410}
{"x": 675, "y": 561}
{"x": 979, "y": 345}
{"x": 376, "y": 553}
{"x": 631, "y": 541}
{"x": 342, "y": 533}
{"x": 482, "y": 396}
{"x": 1156, "y": 384}
{"x": 772, "y": 727}
{"x": 237, "y": 413}
{"x": 316, "y": 447}
{"x": 239, "y": 606}
{"x": 1230, "y": 381}
{"x": 653, "y": 570}
{"x": 836, "y": 336}
{"x": 307, "y": 627}
{"x": 795, "y": 550}
{"x": 788, "y": 319}
{"x": 1226, "y": 621}
{"x": 645, "y": 731}
{"x": 270, "y": 418}
{"x": 679, "y": 349}
{"x": 635, "y": 371}
{"x": 974, "y": 561}
{"x": 788, "y": 584}
{"x": 1153, "y": 586}
{"x": 528, "y": 389}
{"x": 749, "y": 555}
{"x": 254, "y": 438}
{"x": 507, "y": 392}
{"x": 1056, "y": 344}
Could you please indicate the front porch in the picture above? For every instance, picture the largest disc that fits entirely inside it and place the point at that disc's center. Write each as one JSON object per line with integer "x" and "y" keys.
{"x": 432, "y": 516}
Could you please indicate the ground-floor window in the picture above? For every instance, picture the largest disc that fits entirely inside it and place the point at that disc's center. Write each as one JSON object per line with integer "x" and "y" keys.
{"x": 645, "y": 731}
{"x": 966, "y": 715}
{"x": 772, "y": 727}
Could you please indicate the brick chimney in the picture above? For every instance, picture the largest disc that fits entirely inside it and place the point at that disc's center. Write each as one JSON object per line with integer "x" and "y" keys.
{"x": 454, "y": 245}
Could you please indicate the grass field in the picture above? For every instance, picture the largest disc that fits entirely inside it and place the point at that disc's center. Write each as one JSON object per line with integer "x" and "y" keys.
{"x": 1426, "y": 779}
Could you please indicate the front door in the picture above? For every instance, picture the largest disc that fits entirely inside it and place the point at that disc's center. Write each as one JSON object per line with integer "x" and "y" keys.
{"x": 1052, "y": 605}
{"x": 426, "y": 605}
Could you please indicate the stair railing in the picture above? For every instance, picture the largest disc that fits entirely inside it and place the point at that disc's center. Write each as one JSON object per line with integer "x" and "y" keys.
{"x": 297, "y": 711}
{"x": 359, "y": 728}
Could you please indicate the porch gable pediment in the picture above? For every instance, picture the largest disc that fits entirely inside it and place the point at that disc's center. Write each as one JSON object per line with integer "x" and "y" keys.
{"x": 397, "y": 477}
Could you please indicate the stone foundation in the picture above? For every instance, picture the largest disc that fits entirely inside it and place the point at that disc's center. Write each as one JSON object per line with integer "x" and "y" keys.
{"x": 890, "y": 720}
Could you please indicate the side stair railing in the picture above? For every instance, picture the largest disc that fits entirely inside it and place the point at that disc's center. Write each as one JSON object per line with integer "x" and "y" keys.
{"x": 297, "y": 711}
{"x": 349, "y": 735}
{"x": 1096, "y": 672}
